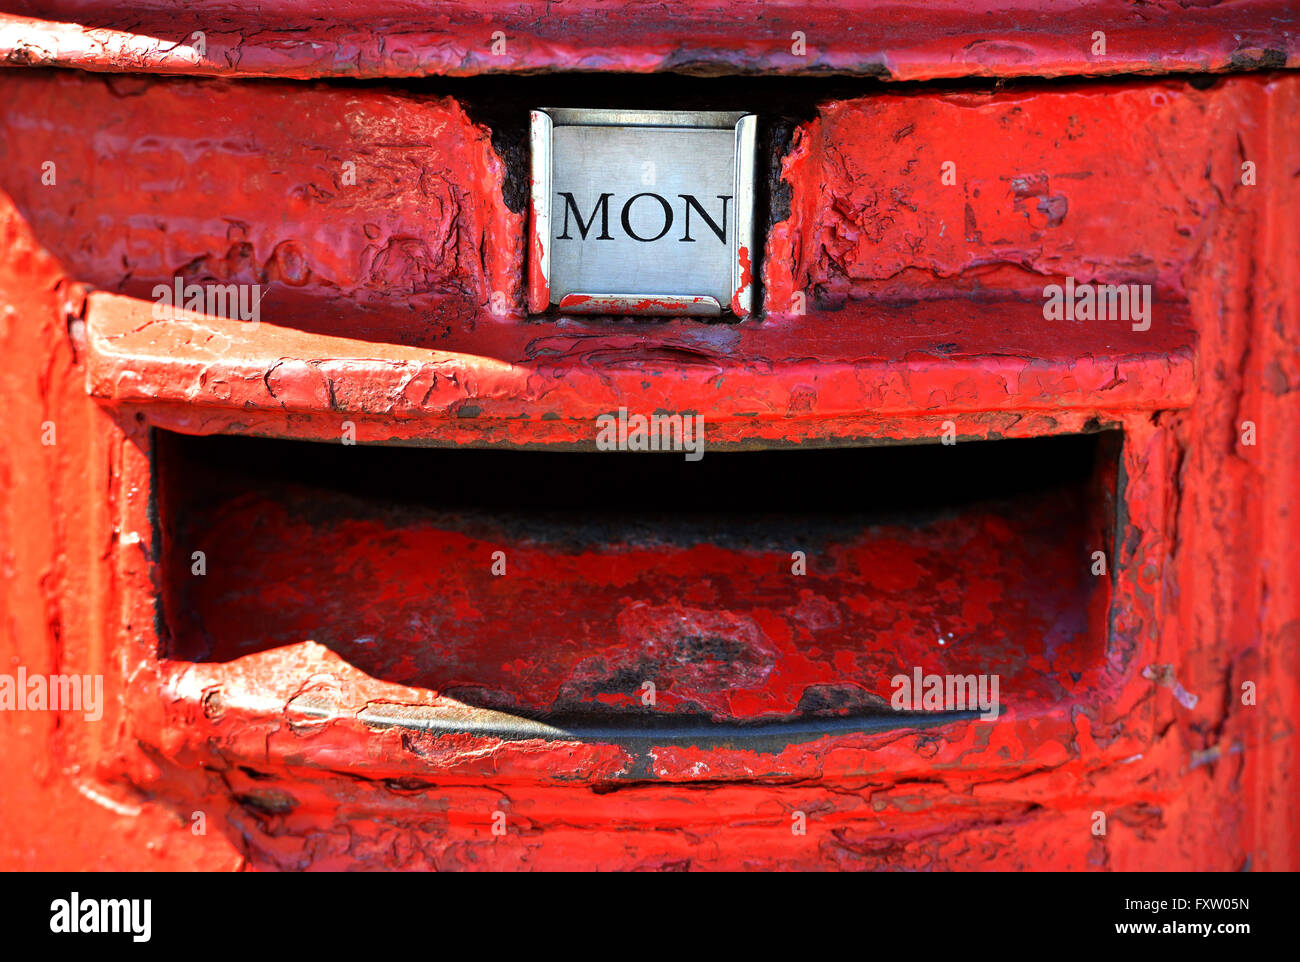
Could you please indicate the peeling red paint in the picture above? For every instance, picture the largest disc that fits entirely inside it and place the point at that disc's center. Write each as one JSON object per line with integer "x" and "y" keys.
{"x": 279, "y": 737}
{"x": 409, "y": 223}
{"x": 878, "y": 368}
{"x": 908, "y": 41}
{"x": 612, "y": 608}
{"x": 875, "y": 213}
{"x": 621, "y": 305}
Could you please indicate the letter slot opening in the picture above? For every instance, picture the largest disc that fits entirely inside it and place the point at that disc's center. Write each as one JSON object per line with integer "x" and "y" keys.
{"x": 746, "y": 587}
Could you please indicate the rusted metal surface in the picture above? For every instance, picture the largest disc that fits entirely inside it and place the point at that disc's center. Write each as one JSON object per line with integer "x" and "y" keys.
{"x": 252, "y": 695}
{"x": 914, "y": 40}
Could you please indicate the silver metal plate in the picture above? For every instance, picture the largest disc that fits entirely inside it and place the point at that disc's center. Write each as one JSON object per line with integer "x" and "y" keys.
{"x": 642, "y": 212}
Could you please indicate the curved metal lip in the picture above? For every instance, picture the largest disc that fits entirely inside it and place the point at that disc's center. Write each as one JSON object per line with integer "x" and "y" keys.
{"x": 645, "y": 730}
{"x": 664, "y": 305}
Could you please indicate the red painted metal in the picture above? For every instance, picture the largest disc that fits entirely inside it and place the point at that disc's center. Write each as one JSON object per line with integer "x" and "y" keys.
{"x": 856, "y": 373}
{"x": 911, "y": 40}
{"x": 382, "y": 199}
{"x": 251, "y": 695}
{"x": 873, "y": 216}
{"x": 612, "y": 604}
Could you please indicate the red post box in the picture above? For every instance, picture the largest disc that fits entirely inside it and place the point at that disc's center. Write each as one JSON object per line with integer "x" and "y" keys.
{"x": 950, "y": 522}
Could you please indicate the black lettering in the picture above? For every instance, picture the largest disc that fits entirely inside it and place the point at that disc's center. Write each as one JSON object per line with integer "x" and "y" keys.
{"x": 668, "y": 218}
{"x": 602, "y": 206}
{"x": 692, "y": 202}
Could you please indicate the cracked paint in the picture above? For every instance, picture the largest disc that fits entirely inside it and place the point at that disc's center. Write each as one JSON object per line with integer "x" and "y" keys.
{"x": 919, "y": 41}
{"x": 297, "y": 751}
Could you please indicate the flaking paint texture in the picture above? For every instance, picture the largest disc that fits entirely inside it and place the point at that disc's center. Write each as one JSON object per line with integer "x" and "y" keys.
{"x": 272, "y": 745}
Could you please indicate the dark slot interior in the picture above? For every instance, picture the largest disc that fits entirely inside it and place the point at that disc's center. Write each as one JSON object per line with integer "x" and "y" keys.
{"x": 623, "y": 568}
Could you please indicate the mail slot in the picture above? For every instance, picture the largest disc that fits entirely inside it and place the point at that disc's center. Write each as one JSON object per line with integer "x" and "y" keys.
{"x": 660, "y": 602}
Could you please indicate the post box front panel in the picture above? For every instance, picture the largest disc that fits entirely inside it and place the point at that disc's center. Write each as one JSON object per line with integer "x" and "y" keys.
{"x": 297, "y": 690}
